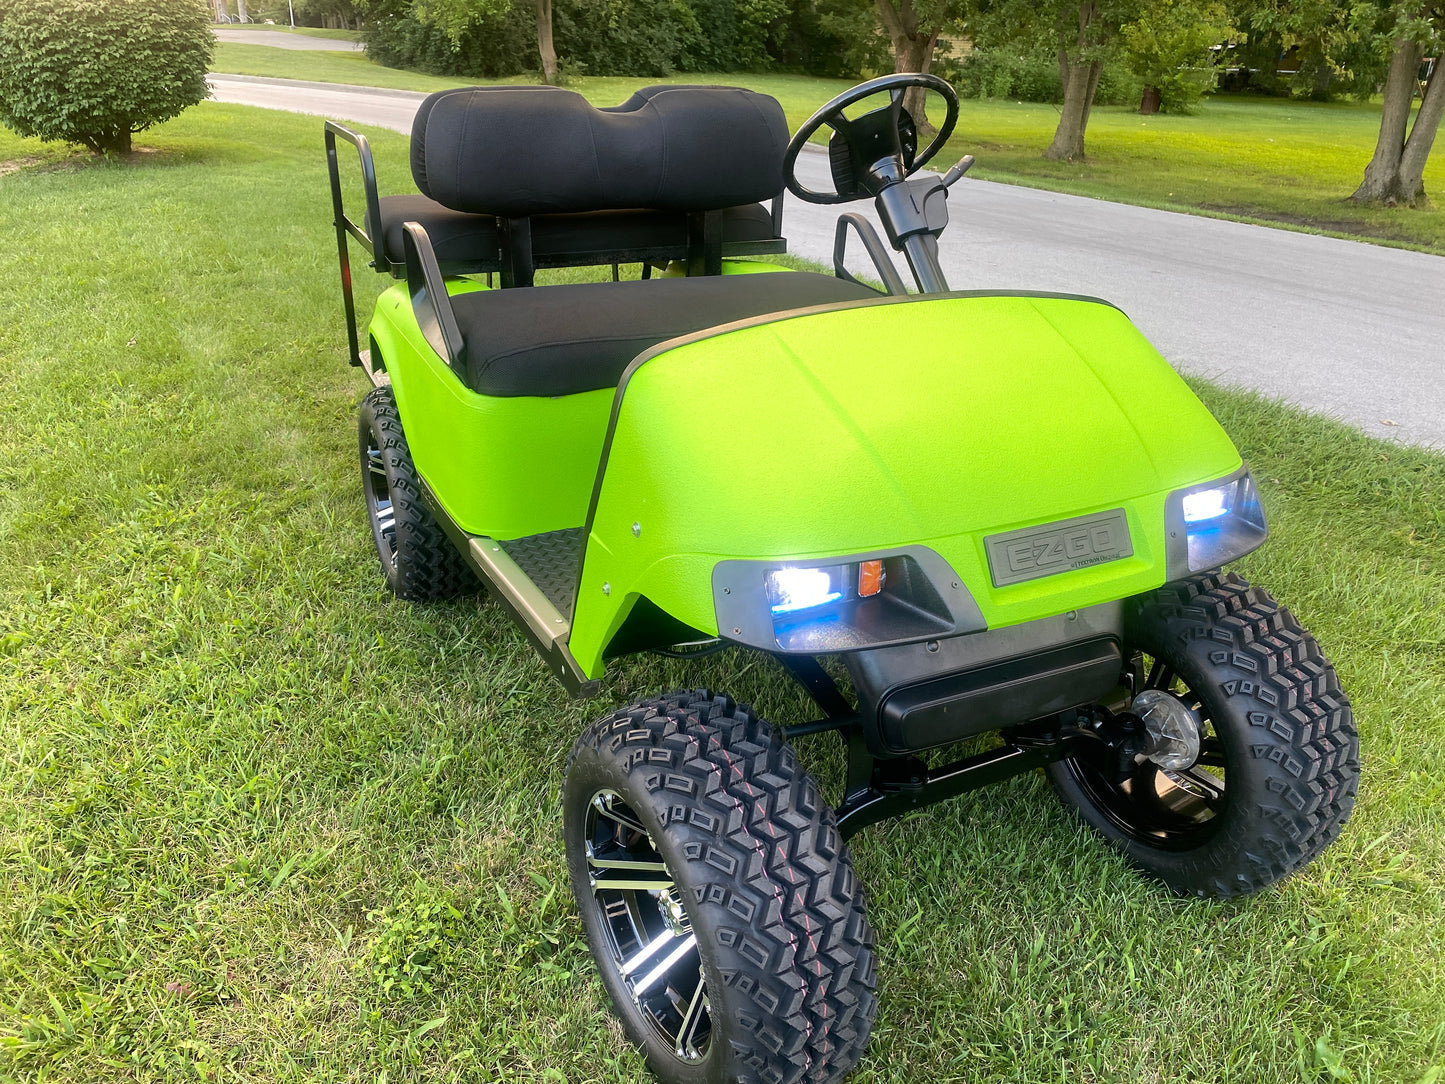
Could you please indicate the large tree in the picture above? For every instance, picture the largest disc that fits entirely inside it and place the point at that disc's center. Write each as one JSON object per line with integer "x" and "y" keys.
{"x": 1396, "y": 173}
{"x": 1081, "y": 35}
{"x": 1084, "y": 34}
{"x": 914, "y": 27}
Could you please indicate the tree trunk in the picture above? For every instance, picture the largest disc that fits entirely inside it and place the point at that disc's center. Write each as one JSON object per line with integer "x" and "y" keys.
{"x": 545, "y": 47}
{"x": 1422, "y": 137}
{"x": 1149, "y": 104}
{"x": 1081, "y": 79}
{"x": 1396, "y": 172}
{"x": 241, "y": 11}
{"x": 913, "y": 47}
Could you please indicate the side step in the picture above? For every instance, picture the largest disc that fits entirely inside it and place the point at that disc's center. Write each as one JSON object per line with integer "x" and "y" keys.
{"x": 525, "y": 603}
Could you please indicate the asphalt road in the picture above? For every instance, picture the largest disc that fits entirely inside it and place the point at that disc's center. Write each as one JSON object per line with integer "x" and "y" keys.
{"x": 1347, "y": 329}
{"x": 279, "y": 40}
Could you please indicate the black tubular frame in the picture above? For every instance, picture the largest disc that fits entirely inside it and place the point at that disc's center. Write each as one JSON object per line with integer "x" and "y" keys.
{"x": 879, "y": 788}
{"x": 873, "y": 245}
{"x": 345, "y": 225}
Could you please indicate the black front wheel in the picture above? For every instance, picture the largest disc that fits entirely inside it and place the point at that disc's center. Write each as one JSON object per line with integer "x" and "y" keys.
{"x": 1247, "y": 762}
{"x": 717, "y": 895}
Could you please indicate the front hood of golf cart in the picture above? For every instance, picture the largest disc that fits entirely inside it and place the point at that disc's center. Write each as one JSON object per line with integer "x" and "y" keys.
{"x": 936, "y": 422}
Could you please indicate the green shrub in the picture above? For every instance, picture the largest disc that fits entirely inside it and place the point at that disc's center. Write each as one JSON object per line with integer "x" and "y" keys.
{"x": 623, "y": 37}
{"x": 96, "y": 71}
{"x": 495, "y": 43}
{"x": 646, "y": 38}
{"x": 1173, "y": 46}
{"x": 1033, "y": 76}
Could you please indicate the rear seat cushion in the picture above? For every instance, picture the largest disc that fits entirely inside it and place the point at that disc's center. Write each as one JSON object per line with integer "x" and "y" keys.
{"x": 559, "y": 340}
{"x": 460, "y": 238}
{"x": 456, "y": 237}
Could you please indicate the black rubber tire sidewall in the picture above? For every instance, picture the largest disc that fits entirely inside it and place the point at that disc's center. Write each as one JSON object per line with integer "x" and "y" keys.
{"x": 1292, "y": 755}
{"x": 427, "y": 566}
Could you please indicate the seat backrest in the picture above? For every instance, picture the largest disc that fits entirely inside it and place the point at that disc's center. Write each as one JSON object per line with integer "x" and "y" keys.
{"x": 515, "y": 152}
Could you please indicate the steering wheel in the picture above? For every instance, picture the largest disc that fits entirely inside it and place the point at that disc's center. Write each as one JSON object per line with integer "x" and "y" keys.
{"x": 881, "y": 138}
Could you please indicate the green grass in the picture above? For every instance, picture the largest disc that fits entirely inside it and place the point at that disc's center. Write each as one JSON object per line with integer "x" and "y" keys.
{"x": 258, "y": 821}
{"x": 1275, "y": 162}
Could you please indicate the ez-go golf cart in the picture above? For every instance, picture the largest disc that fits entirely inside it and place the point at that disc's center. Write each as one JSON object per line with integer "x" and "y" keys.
{"x": 1020, "y": 533}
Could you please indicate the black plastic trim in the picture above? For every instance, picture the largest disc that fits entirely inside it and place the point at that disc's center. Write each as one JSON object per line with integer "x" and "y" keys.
{"x": 430, "y": 303}
{"x": 953, "y": 707}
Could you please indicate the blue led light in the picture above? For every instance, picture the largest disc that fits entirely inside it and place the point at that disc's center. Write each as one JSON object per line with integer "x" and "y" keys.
{"x": 1206, "y": 504}
{"x": 801, "y": 589}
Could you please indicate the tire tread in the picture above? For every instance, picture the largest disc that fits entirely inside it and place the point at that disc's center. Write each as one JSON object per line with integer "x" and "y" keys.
{"x": 767, "y": 855}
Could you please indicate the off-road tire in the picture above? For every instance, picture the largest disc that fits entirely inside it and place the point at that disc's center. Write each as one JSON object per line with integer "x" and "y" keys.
{"x": 417, "y": 559}
{"x": 1283, "y": 727}
{"x": 764, "y": 877}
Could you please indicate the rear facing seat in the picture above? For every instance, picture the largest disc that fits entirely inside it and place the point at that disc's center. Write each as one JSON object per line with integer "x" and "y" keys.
{"x": 471, "y": 244}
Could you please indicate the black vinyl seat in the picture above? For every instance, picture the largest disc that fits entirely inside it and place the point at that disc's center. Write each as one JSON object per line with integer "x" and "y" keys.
{"x": 466, "y": 242}
{"x": 560, "y": 340}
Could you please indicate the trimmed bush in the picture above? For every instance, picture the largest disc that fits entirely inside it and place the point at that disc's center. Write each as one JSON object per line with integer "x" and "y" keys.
{"x": 94, "y": 72}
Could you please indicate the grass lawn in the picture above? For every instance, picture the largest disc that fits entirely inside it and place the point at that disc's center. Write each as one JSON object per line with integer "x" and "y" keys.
{"x": 258, "y": 821}
{"x": 1264, "y": 160}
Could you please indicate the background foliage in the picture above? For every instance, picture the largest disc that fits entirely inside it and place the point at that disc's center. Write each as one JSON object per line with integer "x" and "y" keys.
{"x": 634, "y": 37}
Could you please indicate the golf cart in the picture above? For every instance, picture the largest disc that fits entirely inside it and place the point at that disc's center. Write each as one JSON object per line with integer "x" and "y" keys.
{"x": 1020, "y": 533}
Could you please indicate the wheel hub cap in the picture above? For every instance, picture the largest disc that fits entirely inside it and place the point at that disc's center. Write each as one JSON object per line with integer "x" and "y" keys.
{"x": 1171, "y": 728}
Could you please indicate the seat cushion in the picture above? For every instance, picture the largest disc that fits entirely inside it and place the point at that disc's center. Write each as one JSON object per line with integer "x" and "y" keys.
{"x": 457, "y": 238}
{"x": 471, "y": 241}
{"x": 559, "y": 340}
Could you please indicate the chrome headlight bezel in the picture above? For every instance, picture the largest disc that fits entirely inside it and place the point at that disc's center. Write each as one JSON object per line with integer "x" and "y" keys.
{"x": 1213, "y": 523}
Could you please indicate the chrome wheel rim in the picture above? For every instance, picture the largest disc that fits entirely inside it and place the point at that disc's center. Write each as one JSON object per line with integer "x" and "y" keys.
{"x": 648, "y": 933}
{"x": 378, "y": 502}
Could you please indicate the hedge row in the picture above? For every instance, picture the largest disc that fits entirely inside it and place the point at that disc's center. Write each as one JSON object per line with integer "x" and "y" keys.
{"x": 639, "y": 37}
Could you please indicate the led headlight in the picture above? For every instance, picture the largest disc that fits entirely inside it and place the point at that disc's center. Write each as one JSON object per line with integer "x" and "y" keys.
{"x": 1222, "y": 521}
{"x": 794, "y": 589}
{"x": 819, "y": 606}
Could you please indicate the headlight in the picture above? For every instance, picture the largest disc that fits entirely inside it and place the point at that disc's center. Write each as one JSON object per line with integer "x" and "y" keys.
{"x": 821, "y": 606}
{"x": 1221, "y": 521}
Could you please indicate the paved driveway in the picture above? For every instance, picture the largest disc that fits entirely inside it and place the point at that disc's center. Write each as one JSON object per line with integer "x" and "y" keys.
{"x": 281, "y": 40}
{"x": 1343, "y": 328}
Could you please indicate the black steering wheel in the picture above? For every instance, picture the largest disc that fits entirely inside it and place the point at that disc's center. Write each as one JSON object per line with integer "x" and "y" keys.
{"x": 875, "y": 149}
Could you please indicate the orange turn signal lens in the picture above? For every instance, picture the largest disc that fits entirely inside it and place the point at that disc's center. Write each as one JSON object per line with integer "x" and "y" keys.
{"x": 870, "y": 578}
